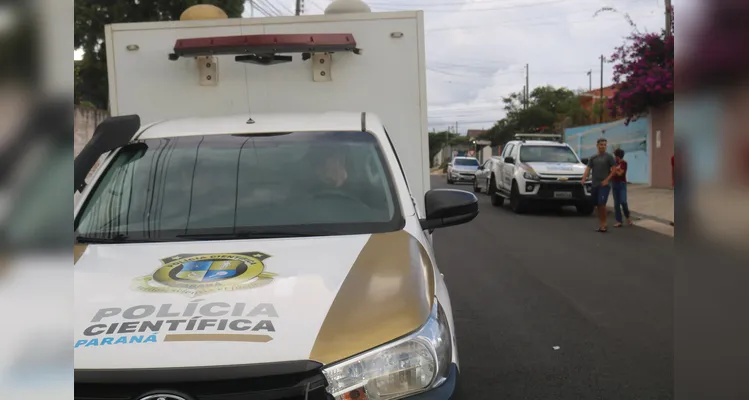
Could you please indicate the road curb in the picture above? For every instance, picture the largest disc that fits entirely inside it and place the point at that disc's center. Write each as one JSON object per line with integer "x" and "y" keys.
{"x": 649, "y": 222}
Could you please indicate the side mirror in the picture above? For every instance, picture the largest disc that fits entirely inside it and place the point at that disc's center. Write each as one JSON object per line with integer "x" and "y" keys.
{"x": 585, "y": 160}
{"x": 448, "y": 207}
{"x": 509, "y": 160}
{"x": 481, "y": 167}
{"x": 114, "y": 132}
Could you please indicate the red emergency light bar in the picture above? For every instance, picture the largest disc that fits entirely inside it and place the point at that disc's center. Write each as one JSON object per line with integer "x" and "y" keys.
{"x": 265, "y": 45}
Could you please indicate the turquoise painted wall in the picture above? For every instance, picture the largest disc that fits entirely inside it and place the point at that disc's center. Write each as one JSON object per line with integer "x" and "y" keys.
{"x": 633, "y": 139}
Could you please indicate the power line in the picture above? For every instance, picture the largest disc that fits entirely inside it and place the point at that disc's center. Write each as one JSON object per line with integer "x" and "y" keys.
{"x": 462, "y": 10}
{"x": 274, "y": 11}
{"x": 431, "y": 3}
{"x": 261, "y": 9}
{"x": 429, "y": 6}
{"x": 550, "y": 22}
{"x": 316, "y": 5}
{"x": 285, "y": 8}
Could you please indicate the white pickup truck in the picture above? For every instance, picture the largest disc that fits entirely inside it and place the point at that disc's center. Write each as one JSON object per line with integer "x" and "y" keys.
{"x": 531, "y": 171}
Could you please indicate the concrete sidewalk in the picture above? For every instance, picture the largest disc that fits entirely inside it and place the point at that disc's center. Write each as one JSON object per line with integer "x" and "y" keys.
{"x": 651, "y": 208}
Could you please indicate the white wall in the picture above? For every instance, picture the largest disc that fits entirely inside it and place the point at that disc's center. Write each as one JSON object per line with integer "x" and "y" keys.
{"x": 85, "y": 121}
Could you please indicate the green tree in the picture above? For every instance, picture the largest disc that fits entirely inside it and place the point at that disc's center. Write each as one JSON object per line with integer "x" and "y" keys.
{"x": 437, "y": 141}
{"x": 549, "y": 109}
{"x": 92, "y": 15}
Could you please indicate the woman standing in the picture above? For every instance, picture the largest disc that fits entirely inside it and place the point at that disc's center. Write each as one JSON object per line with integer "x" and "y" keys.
{"x": 619, "y": 189}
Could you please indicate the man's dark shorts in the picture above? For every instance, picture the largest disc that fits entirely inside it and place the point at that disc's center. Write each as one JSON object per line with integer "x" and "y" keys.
{"x": 600, "y": 195}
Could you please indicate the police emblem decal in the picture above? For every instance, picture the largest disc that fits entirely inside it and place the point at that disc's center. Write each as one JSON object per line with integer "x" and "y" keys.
{"x": 198, "y": 274}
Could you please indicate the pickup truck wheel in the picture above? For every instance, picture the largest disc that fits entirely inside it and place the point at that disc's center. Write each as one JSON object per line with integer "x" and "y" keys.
{"x": 516, "y": 203}
{"x": 585, "y": 208}
{"x": 497, "y": 200}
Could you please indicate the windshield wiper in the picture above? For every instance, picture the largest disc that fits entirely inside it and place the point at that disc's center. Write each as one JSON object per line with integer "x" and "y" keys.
{"x": 118, "y": 238}
{"x": 258, "y": 234}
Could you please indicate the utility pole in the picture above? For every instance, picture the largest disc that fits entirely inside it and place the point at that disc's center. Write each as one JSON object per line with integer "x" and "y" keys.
{"x": 590, "y": 80}
{"x": 447, "y": 143}
{"x": 668, "y": 18}
{"x": 600, "y": 111}
{"x": 527, "y": 87}
{"x": 456, "y": 128}
{"x": 298, "y": 7}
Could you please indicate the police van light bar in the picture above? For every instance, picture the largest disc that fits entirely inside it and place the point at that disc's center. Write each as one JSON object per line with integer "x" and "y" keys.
{"x": 264, "y": 45}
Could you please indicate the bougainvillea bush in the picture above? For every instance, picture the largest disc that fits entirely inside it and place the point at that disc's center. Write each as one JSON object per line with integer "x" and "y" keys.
{"x": 643, "y": 74}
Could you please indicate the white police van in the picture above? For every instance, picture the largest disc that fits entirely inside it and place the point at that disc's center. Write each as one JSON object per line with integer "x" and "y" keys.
{"x": 244, "y": 242}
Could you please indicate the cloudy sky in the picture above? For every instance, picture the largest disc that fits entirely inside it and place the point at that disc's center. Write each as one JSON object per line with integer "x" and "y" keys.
{"x": 477, "y": 49}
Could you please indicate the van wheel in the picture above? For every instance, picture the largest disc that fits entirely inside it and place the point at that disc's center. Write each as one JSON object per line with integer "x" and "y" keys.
{"x": 516, "y": 203}
{"x": 497, "y": 200}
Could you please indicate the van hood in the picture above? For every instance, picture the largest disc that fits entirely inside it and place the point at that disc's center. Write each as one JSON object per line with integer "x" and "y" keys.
{"x": 556, "y": 168}
{"x": 211, "y": 303}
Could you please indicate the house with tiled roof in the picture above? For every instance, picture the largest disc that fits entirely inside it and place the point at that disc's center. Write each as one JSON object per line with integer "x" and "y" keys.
{"x": 590, "y": 98}
{"x": 474, "y": 133}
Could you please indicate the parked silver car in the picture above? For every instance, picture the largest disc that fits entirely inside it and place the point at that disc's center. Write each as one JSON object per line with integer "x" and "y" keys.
{"x": 462, "y": 169}
{"x": 484, "y": 174}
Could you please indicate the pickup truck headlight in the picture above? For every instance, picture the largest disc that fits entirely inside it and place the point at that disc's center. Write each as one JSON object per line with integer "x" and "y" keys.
{"x": 531, "y": 176}
{"x": 529, "y": 173}
{"x": 405, "y": 367}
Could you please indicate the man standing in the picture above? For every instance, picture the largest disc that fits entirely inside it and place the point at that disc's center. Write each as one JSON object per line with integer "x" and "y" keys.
{"x": 601, "y": 167}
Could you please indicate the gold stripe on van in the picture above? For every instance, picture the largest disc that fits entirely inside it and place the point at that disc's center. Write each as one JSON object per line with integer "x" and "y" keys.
{"x": 78, "y": 250}
{"x": 387, "y": 294}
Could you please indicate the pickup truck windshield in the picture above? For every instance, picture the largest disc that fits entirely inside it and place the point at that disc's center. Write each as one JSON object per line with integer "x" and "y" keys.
{"x": 557, "y": 154}
{"x": 471, "y": 162}
{"x": 225, "y": 186}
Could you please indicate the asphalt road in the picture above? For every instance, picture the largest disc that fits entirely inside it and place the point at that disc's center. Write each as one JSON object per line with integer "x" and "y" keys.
{"x": 546, "y": 308}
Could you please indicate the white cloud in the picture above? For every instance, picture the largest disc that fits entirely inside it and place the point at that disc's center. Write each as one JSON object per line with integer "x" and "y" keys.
{"x": 477, "y": 50}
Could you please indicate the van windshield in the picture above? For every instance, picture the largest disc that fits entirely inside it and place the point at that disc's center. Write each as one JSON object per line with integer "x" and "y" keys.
{"x": 558, "y": 154}
{"x": 227, "y": 186}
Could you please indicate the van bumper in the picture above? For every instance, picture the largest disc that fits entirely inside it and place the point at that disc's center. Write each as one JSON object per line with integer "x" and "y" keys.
{"x": 448, "y": 389}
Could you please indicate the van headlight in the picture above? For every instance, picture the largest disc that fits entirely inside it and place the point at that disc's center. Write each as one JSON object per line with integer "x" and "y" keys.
{"x": 405, "y": 367}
